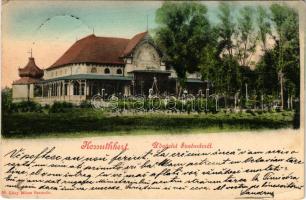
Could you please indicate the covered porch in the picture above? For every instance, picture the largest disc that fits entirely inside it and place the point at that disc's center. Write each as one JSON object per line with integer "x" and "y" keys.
{"x": 76, "y": 88}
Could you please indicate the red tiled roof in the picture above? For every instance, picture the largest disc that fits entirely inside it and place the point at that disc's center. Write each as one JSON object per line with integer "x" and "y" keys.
{"x": 133, "y": 42}
{"x": 102, "y": 50}
{"x": 31, "y": 70}
{"x": 26, "y": 80}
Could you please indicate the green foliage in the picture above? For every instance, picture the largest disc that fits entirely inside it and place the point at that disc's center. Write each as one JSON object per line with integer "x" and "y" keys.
{"x": 264, "y": 26}
{"x": 228, "y": 67}
{"x": 6, "y": 100}
{"x": 183, "y": 33}
{"x": 284, "y": 56}
{"x": 87, "y": 121}
{"x": 226, "y": 29}
{"x": 26, "y": 106}
{"x": 266, "y": 70}
{"x": 246, "y": 38}
{"x": 59, "y": 107}
{"x": 285, "y": 21}
{"x": 85, "y": 104}
{"x": 160, "y": 105}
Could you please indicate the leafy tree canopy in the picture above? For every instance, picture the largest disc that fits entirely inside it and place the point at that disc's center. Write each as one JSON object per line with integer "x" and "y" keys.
{"x": 183, "y": 33}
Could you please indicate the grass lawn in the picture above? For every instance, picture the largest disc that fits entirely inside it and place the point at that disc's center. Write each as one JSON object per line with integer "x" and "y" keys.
{"x": 89, "y": 122}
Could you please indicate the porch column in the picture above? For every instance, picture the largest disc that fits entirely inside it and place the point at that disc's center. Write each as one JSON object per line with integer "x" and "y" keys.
{"x": 62, "y": 89}
{"x": 52, "y": 90}
{"x": 80, "y": 88}
{"x": 58, "y": 89}
{"x": 126, "y": 90}
{"x": 70, "y": 88}
{"x": 86, "y": 90}
{"x": 42, "y": 90}
{"x": 48, "y": 85}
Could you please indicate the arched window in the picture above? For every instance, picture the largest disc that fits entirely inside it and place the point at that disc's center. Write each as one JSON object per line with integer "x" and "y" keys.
{"x": 106, "y": 71}
{"x": 119, "y": 71}
{"x": 93, "y": 70}
{"x": 37, "y": 90}
{"x": 76, "y": 88}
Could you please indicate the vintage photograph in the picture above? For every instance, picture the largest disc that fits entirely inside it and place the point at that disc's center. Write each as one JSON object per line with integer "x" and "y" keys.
{"x": 152, "y": 99}
{"x": 100, "y": 68}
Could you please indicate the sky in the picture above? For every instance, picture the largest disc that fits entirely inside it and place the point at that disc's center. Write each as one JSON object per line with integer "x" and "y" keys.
{"x": 49, "y": 28}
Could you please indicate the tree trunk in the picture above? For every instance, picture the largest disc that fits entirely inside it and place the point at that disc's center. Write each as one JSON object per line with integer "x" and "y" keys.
{"x": 281, "y": 89}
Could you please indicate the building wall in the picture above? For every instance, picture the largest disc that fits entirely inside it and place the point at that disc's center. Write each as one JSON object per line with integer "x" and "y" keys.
{"x": 22, "y": 92}
{"x": 74, "y": 69}
{"x": 100, "y": 69}
{"x": 145, "y": 57}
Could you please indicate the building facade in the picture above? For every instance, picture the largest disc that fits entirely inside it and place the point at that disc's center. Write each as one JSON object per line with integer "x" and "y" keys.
{"x": 105, "y": 66}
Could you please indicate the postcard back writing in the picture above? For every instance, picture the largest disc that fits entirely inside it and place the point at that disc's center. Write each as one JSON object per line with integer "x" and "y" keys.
{"x": 264, "y": 165}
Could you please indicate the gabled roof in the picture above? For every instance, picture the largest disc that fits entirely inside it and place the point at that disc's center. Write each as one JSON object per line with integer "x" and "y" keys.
{"x": 133, "y": 42}
{"x": 31, "y": 70}
{"x": 100, "y": 50}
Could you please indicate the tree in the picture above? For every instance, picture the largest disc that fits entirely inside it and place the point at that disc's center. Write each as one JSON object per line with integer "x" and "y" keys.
{"x": 264, "y": 26}
{"x": 266, "y": 70}
{"x": 226, "y": 28}
{"x": 183, "y": 33}
{"x": 281, "y": 62}
{"x": 286, "y": 38}
{"x": 228, "y": 74}
{"x": 246, "y": 37}
{"x": 211, "y": 63}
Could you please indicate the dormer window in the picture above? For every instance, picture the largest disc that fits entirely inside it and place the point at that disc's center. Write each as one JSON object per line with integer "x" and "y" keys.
{"x": 93, "y": 70}
{"x": 106, "y": 71}
{"x": 119, "y": 71}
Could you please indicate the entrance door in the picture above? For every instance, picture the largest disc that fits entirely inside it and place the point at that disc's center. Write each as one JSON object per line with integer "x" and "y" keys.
{"x": 145, "y": 81}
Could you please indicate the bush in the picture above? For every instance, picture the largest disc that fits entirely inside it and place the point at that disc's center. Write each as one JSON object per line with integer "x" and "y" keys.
{"x": 58, "y": 107}
{"x": 85, "y": 104}
{"x": 26, "y": 106}
{"x": 6, "y": 102}
{"x": 17, "y": 124}
{"x": 47, "y": 107}
{"x": 250, "y": 112}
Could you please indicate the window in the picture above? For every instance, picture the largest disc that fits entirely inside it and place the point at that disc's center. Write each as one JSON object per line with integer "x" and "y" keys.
{"x": 106, "y": 71}
{"x": 37, "y": 90}
{"x": 93, "y": 70}
{"x": 119, "y": 71}
{"x": 76, "y": 88}
{"x": 82, "y": 89}
{"x": 65, "y": 89}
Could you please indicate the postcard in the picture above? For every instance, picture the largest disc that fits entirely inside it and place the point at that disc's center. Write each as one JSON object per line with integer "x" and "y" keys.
{"x": 152, "y": 99}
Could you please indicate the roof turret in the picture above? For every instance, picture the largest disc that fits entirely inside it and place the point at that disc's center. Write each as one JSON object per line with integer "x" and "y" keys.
{"x": 31, "y": 70}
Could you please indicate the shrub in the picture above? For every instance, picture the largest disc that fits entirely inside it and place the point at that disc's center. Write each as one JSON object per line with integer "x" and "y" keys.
{"x": 47, "y": 107}
{"x": 26, "y": 106}
{"x": 85, "y": 104}
{"x": 6, "y": 95}
{"x": 58, "y": 106}
{"x": 250, "y": 112}
{"x": 17, "y": 125}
